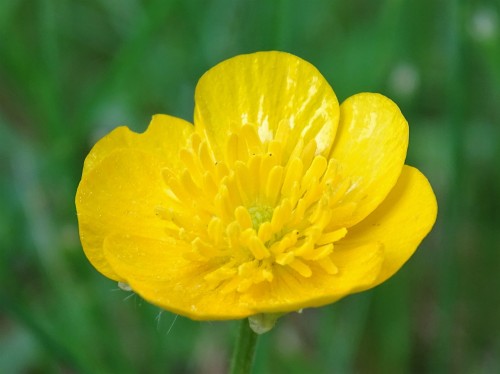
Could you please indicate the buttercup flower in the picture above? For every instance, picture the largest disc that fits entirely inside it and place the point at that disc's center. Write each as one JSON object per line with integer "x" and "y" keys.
{"x": 276, "y": 199}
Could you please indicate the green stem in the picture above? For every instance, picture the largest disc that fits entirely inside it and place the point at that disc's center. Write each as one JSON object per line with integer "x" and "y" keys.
{"x": 244, "y": 351}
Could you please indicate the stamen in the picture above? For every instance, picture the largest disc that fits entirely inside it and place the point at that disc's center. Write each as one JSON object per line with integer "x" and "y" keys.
{"x": 176, "y": 187}
{"x": 253, "y": 180}
{"x": 205, "y": 249}
{"x": 308, "y": 152}
{"x": 190, "y": 160}
{"x": 327, "y": 264}
{"x": 221, "y": 171}
{"x": 216, "y": 230}
{"x": 306, "y": 249}
{"x": 259, "y": 215}
{"x": 209, "y": 184}
{"x": 232, "y": 149}
{"x": 243, "y": 217}
{"x": 285, "y": 258}
{"x": 247, "y": 268}
{"x": 206, "y": 159}
{"x": 301, "y": 268}
{"x": 293, "y": 172}
{"x": 258, "y": 249}
{"x": 252, "y": 139}
{"x": 331, "y": 237}
{"x": 273, "y": 184}
{"x": 322, "y": 252}
{"x": 265, "y": 232}
{"x": 281, "y": 214}
{"x": 315, "y": 171}
{"x": 233, "y": 232}
{"x": 223, "y": 205}
{"x": 188, "y": 184}
{"x": 288, "y": 241}
{"x": 266, "y": 164}
{"x": 222, "y": 273}
{"x": 264, "y": 206}
{"x": 283, "y": 131}
{"x": 195, "y": 140}
{"x": 275, "y": 150}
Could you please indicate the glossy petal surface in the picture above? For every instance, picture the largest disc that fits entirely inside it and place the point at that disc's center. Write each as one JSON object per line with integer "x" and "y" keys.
{"x": 158, "y": 271}
{"x": 114, "y": 198}
{"x": 122, "y": 183}
{"x": 358, "y": 269}
{"x": 370, "y": 147}
{"x": 399, "y": 224}
{"x": 283, "y": 96}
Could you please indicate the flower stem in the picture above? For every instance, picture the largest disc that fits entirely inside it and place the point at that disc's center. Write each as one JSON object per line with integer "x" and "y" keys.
{"x": 244, "y": 351}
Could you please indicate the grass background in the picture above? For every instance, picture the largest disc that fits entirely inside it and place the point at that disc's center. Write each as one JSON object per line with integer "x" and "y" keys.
{"x": 70, "y": 71}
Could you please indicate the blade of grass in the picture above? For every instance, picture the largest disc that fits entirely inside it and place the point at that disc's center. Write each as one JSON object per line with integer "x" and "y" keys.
{"x": 46, "y": 339}
{"x": 128, "y": 57}
{"x": 49, "y": 88}
{"x": 392, "y": 326}
{"x": 448, "y": 278}
{"x": 341, "y": 329}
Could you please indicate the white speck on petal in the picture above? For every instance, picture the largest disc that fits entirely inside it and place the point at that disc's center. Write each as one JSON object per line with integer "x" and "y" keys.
{"x": 368, "y": 130}
{"x": 291, "y": 121}
{"x": 322, "y": 138}
{"x": 352, "y": 187}
{"x": 265, "y": 134}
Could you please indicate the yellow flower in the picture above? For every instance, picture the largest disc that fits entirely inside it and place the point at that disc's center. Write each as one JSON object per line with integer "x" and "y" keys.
{"x": 276, "y": 199}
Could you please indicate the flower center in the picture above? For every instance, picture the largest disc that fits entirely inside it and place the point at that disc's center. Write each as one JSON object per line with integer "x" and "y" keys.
{"x": 259, "y": 208}
{"x": 259, "y": 215}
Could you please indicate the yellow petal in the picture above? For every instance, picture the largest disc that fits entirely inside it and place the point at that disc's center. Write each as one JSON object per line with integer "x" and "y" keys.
{"x": 267, "y": 90}
{"x": 400, "y": 223}
{"x": 289, "y": 291}
{"x": 158, "y": 272}
{"x": 121, "y": 193}
{"x": 370, "y": 146}
{"x": 164, "y": 137}
{"x": 107, "y": 195}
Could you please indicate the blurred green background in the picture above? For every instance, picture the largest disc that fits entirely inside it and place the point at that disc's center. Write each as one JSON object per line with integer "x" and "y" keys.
{"x": 70, "y": 71}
